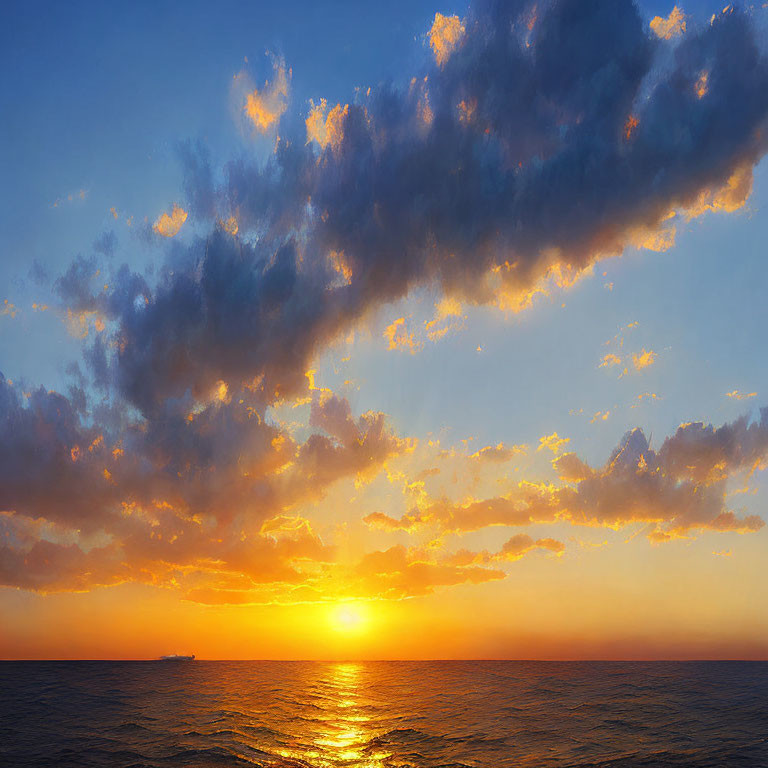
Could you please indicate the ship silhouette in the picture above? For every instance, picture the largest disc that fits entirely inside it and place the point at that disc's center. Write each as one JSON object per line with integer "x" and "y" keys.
{"x": 177, "y": 657}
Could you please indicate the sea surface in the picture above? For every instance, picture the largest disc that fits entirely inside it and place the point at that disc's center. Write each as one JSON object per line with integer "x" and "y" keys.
{"x": 384, "y": 714}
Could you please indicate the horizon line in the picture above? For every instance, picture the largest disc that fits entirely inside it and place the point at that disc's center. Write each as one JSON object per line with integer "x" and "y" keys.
{"x": 406, "y": 661}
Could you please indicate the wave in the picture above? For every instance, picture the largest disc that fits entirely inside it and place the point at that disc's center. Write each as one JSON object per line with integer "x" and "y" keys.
{"x": 384, "y": 715}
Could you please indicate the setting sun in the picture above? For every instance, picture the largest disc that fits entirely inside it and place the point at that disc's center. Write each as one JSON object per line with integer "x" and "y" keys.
{"x": 348, "y": 618}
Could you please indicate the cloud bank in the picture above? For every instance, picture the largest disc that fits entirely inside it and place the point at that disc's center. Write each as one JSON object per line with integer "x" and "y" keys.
{"x": 677, "y": 491}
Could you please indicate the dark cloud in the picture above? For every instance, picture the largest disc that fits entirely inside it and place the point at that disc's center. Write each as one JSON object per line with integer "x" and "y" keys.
{"x": 46, "y": 467}
{"x": 38, "y": 274}
{"x": 190, "y": 489}
{"x": 105, "y": 243}
{"x": 530, "y": 151}
{"x": 198, "y": 179}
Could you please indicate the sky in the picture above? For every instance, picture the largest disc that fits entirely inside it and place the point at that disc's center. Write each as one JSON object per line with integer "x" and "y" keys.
{"x": 363, "y": 331}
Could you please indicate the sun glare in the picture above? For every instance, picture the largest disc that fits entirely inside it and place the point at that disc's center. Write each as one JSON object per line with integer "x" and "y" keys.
{"x": 348, "y": 618}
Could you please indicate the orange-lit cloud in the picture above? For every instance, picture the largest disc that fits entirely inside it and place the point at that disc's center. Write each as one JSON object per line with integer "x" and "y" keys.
{"x": 156, "y": 505}
{"x": 445, "y": 36}
{"x": 736, "y": 395}
{"x": 637, "y": 360}
{"x": 168, "y": 225}
{"x": 571, "y": 469}
{"x": 629, "y": 127}
{"x": 644, "y": 359}
{"x": 553, "y": 442}
{"x": 728, "y": 198}
{"x": 81, "y": 194}
{"x": 326, "y": 127}
{"x": 398, "y": 337}
{"x": 8, "y": 309}
{"x": 341, "y": 267}
{"x": 521, "y": 544}
{"x": 499, "y": 452}
{"x": 264, "y": 107}
{"x": 644, "y": 397}
{"x": 609, "y": 360}
{"x": 676, "y": 491}
{"x": 702, "y": 85}
{"x": 230, "y": 225}
{"x": 658, "y": 239}
{"x": 447, "y": 319}
{"x": 672, "y": 26}
{"x": 79, "y": 324}
{"x": 396, "y": 573}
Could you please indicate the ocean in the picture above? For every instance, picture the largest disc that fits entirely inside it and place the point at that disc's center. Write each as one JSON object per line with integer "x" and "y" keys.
{"x": 384, "y": 714}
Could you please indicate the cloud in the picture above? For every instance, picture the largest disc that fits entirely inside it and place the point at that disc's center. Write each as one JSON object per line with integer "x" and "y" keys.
{"x": 168, "y": 225}
{"x": 673, "y": 26}
{"x": 645, "y": 397}
{"x": 326, "y": 127}
{"x": 71, "y": 197}
{"x": 48, "y": 566}
{"x": 677, "y": 491}
{"x": 736, "y": 395}
{"x": 106, "y": 243}
{"x": 521, "y": 544}
{"x": 462, "y": 566}
{"x": 447, "y": 319}
{"x": 397, "y": 336}
{"x": 499, "y": 452}
{"x": 8, "y": 309}
{"x": 734, "y": 194}
{"x": 479, "y": 202}
{"x": 396, "y": 573}
{"x": 526, "y": 505}
{"x": 644, "y": 359}
{"x": 609, "y": 360}
{"x": 399, "y": 572}
{"x": 571, "y": 468}
{"x": 638, "y": 360}
{"x": 445, "y": 36}
{"x": 264, "y": 107}
{"x": 553, "y": 443}
{"x": 190, "y": 495}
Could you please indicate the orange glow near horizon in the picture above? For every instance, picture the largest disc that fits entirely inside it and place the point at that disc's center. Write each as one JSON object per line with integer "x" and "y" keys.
{"x": 571, "y": 614}
{"x": 388, "y": 373}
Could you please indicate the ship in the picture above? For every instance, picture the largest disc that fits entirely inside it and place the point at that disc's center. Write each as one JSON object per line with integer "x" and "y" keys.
{"x": 177, "y": 657}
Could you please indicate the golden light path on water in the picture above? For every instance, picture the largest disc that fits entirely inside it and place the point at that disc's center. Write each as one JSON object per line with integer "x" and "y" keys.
{"x": 345, "y": 729}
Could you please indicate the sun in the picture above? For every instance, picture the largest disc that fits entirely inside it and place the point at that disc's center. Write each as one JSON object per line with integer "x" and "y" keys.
{"x": 348, "y": 618}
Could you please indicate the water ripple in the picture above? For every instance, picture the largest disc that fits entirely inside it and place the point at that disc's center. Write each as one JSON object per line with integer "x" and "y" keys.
{"x": 384, "y": 715}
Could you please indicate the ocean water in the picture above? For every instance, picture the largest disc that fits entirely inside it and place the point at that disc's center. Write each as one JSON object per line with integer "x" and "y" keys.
{"x": 384, "y": 714}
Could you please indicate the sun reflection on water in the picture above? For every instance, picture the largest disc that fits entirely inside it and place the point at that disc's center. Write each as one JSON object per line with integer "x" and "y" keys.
{"x": 347, "y": 727}
{"x": 344, "y": 729}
